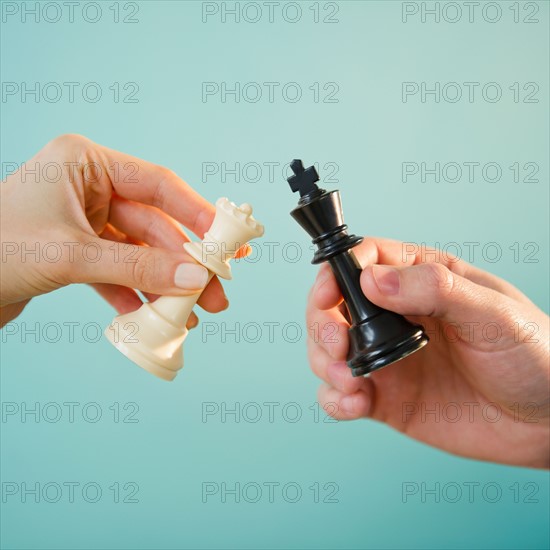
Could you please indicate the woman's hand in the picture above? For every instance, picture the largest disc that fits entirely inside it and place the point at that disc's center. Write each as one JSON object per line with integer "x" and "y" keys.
{"x": 78, "y": 212}
{"x": 479, "y": 388}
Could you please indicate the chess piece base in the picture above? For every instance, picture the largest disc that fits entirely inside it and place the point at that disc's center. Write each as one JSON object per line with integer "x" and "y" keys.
{"x": 159, "y": 350}
{"x": 381, "y": 341}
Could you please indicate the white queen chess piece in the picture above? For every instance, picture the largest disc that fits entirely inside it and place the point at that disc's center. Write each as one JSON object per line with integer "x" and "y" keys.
{"x": 153, "y": 336}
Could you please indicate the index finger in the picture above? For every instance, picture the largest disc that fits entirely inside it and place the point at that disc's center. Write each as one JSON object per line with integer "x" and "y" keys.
{"x": 149, "y": 183}
{"x": 375, "y": 250}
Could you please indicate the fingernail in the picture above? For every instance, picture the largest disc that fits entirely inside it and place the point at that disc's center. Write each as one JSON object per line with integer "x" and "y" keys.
{"x": 191, "y": 276}
{"x": 386, "y": 279}
{"x": 347, "y": 404}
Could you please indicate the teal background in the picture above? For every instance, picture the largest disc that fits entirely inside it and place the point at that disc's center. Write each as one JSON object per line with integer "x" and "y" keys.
{"x": 169, "y": 452}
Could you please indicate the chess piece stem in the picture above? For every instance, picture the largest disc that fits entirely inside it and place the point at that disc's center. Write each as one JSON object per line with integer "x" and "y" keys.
{"x": 177, "y": 309}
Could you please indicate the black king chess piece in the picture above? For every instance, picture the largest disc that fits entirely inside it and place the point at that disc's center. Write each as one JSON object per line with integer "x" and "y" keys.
{"x": 377, "y": 337}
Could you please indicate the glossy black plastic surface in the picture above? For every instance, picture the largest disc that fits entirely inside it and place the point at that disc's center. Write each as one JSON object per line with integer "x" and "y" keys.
{"x": 377, "y": 337}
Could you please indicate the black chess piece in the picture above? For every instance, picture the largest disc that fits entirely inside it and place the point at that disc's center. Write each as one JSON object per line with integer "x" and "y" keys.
{"x": 377, "y": 337}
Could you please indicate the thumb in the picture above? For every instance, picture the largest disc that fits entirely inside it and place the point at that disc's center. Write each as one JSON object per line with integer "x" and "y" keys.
{"x": 149, "y": 269}
{"x": 433, "y": 290}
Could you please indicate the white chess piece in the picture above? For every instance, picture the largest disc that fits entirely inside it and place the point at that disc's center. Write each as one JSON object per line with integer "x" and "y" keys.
{"x": 153, "y": 336}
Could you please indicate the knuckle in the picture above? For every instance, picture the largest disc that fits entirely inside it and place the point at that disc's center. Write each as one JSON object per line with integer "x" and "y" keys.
{"x": 73, "y": 147}
{"x": 311, "y": 351}
{"x": 165, "y": 173}
{"x": 70, "y": 140}
{"x": 151, "y": 230}
{"x": 440, "y": 278}
{"x": 159, "y": 197}
{"x": 350, "y": 385}
{"x": 312, "y": 319}
{"x": 335, "y": 336}
{"x": 331, "y": 409}
{"x": 144, "y": 270}
{"x": 315, "y": 359}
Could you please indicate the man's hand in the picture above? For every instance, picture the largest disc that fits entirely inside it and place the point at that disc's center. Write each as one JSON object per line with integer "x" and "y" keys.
{"x": 480, "y": 387}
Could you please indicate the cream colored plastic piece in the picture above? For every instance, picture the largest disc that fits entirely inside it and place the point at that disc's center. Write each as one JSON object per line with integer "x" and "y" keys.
{"x": 153, "y": 336}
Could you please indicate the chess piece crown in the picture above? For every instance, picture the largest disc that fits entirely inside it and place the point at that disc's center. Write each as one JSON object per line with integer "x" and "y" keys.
{"x": 233, "y": 226}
